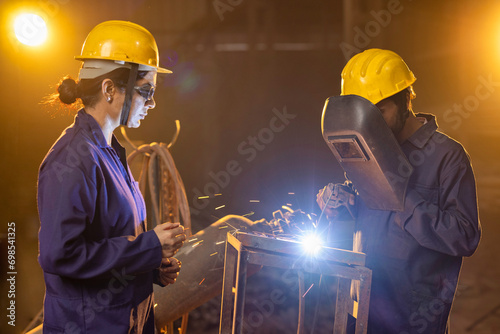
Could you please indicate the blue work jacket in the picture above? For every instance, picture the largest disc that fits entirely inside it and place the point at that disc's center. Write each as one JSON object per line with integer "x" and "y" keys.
{"x": 416, "y": 254}
{"x": 99, "y": 264}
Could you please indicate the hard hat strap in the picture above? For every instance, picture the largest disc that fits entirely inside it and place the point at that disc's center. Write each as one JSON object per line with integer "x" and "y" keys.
{"x": 128, "y": 93}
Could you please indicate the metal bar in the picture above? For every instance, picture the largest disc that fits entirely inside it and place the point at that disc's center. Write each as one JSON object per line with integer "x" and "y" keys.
{"x": 316, "y": 304}
{"x": 342, "y": 306}
{"x": 271, "y": 260}
{"x": 288, "y": 262}
{"x": 302, "y": 304}
{"x": 243, "y": 248}
{"x": 239, "y": 297}
{"x": 293, "y": 247}
{"x": 365, "y": 283}
{"x": 233, "y": 241}
{"x": 227, "y": 288}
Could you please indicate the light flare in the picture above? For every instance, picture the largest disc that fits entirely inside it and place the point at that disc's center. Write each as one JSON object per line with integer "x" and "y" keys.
{"x": 312, "y": 243}
{"x": 30, "y": 29}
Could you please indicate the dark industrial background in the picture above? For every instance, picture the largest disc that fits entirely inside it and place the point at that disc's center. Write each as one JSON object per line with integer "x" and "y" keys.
{"x": 237, "y": 64}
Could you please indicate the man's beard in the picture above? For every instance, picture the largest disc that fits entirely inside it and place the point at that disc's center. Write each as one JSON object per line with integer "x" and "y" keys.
{"x": 400, "y": 121}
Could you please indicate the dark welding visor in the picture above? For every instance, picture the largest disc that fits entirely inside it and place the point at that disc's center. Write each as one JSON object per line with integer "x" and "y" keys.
{"x": 367, "y": 150}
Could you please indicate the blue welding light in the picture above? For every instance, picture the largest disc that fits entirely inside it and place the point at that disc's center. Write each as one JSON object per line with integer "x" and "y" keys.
{"x": 312, "y": 243}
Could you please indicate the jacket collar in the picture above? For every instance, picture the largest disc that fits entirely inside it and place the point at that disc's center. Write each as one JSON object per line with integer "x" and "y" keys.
{"x": 88, "y": 123}
{"x": 422, "y": 135}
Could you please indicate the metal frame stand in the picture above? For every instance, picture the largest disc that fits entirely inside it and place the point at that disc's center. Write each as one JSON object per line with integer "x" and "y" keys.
{"x": 244, "y": 248}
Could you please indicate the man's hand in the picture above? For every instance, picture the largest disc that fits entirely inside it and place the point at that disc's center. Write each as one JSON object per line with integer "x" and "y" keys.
{"x": 333, "y": 197}
{"x": 171, "y": 236}
{"x": 169, "y": 270}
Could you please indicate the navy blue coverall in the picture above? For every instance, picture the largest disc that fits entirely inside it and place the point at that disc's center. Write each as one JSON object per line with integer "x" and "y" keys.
{"x": 99, "y": 264}
{"x": 416, "y": 255}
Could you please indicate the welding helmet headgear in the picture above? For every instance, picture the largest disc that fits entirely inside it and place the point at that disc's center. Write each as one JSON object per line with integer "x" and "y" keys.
{"x": 376, "y": 74}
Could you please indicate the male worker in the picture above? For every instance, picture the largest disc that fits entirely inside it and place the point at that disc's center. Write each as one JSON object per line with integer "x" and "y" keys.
{"x": 415, "y": 255}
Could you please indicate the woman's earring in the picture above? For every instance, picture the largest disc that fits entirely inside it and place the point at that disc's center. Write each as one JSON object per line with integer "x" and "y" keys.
{"x": 109, "y": 99}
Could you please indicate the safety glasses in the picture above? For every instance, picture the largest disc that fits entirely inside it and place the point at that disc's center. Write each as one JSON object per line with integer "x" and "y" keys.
{"x": 146, "y": 91}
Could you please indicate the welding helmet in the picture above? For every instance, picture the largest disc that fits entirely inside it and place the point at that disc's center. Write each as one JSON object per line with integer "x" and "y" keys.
{"x": 367, "y": 150}
{"x": 376, "y": 74}
{"x": 119, "y": 44}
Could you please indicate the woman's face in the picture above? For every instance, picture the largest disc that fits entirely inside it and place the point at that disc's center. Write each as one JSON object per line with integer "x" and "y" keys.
{"x": 140, "y": 103}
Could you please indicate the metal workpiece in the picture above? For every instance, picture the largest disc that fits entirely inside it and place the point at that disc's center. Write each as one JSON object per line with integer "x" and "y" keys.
{"x": 295, "y": 248}
{"x": 245, "y": 249}
{"x": 200, "y": 278}
{"x": 367, "y": 150}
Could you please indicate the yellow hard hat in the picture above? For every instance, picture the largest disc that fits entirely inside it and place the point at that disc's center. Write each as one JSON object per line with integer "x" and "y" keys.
{"x": 376, "y": 74}
{"x": 122, "y": 42}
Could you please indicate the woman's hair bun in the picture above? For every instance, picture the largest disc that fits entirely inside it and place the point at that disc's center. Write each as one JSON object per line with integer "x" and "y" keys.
{"x": 68, "y": 91}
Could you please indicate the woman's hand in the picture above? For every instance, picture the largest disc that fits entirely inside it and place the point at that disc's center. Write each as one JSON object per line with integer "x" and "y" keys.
{"x": 171, "y": 236}
{"x": 169, "y": 270}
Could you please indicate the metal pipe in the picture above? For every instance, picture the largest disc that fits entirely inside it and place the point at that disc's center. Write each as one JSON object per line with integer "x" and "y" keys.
{"x": 200, "y": 278}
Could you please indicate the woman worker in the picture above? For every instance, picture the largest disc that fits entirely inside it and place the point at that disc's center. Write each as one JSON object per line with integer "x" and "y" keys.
{"x": 98, "y": 260}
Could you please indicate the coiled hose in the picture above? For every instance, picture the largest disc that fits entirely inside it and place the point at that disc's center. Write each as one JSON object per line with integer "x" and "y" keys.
{"x": 167, "y": 198}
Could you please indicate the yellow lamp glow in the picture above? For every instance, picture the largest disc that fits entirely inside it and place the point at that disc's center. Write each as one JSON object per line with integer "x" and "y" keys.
{"x": 30, "y": 29}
